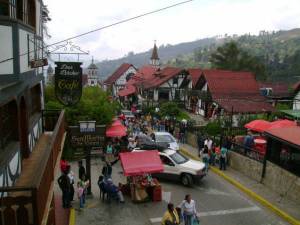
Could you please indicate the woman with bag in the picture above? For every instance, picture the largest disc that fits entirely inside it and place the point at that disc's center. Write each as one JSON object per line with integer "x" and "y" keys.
{"x": 170, "y": 217}
{"x": 188, "y": 208}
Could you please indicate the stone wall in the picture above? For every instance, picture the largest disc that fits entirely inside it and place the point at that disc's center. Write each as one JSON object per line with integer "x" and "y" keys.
{"x": 192, "y": 139}
{"x": 276, "y": 178}
{"x": 282, "y": 181}
{"x": 249, "y": 167}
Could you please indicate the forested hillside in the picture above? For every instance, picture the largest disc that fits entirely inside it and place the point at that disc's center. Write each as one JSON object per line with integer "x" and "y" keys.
{"x": 279, "y": 51}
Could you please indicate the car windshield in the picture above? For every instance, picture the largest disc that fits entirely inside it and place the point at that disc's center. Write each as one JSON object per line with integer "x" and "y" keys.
{"x": 179, "y": 158}
{"x": 164, "y": 138}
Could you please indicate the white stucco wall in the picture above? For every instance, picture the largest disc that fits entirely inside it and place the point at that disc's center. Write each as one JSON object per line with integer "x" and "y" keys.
{"x": 296, "y": 104}
{"x": 24, "y": 67}
{"x": 6, "y": 50}
{"x": 122, "y": 79}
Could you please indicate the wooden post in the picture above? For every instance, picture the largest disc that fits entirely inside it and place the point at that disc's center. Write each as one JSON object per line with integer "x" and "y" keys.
{"x": 88, "y": 168}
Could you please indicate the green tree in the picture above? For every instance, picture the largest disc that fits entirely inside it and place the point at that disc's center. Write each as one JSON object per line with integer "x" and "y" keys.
{"x": 231, "y": 57}
{"x": 94, "y": 105}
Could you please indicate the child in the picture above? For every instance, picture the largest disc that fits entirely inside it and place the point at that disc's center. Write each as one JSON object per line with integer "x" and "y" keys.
{"x": 80, "y": 190}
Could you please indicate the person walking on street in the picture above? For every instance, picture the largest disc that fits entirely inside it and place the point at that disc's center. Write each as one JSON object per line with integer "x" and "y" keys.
{"x": 83, "y": 183}
{"x": 205, "y": 158}
{"x": 200, "y": 143}
{"x": 65, "y": 186}
{"x": 81, "y": 169}
{"x": 170, "y": 217}
{"x": 188, "y": 208}
{"x": 71, "y": 177}
{"x": 208, "y": 142}
{"x": 223, "y": 157}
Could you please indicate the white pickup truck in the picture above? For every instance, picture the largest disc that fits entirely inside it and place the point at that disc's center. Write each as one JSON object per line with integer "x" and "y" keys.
{"x": 179, "y": 167}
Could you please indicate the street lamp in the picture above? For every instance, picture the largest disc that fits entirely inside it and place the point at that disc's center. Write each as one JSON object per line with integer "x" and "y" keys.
{"x": 87, "y": 127}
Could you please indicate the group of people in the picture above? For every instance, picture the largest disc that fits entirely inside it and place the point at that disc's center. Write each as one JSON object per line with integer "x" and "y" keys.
{"x": 66, "y": 183}
{"x": 185, "y": 211}
{"x": 211, "y": 154}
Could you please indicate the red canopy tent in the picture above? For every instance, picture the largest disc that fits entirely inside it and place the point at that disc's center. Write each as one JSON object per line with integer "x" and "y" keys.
{"x": 117, "y": 129}
{"x": 139, "y": 163}
{"x": 258, "y": 125}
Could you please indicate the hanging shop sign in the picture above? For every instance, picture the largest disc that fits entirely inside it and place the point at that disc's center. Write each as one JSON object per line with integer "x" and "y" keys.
{"x": 38, "y": 63}
{"x": 87, "y": 139}
{"x": 68, "y": 82}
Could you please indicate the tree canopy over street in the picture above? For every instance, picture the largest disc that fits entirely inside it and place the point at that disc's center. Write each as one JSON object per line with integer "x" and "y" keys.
{"x": 94, "y": 105}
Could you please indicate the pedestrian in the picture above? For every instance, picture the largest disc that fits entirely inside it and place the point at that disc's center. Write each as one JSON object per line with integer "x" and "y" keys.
{"x": 131, "y": 144}
{"x": 188, "y": 208}
{"x": 212, "y": 157}
{"x": 170, "y": 217}
{"x": 80, "y": 193}
{"x": 223, "y": 157}
{"x": 107, "y": 170}
{"x": 109, "y": 153}
{"x": 71, "y": 177}
{"x": 65, "y": 186}
{"x": 205, "y": 157}
{"x": 208, "y": 142}
{"x": 81, "y": 169}
{"x": 200, "y": 142}
{"x": 248, "y": 143}
{"x": 83, "y": 183}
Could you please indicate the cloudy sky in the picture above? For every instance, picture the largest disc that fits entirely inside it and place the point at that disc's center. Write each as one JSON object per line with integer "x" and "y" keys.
{"x": 194, "y": 20}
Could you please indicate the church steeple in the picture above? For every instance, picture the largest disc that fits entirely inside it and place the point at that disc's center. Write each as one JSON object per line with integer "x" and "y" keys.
{"x": 154, "y": 60}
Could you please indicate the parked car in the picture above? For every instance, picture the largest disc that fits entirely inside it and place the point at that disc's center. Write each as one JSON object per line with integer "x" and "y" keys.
{"x": 146, "y": 143}
{"x": 127, "y": 114}
{"x": 165, "y": 137}
{"x": 179, "y": 167}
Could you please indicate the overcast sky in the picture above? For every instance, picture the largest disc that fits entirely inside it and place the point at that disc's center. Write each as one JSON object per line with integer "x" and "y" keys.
{"x": 194, "y": 20}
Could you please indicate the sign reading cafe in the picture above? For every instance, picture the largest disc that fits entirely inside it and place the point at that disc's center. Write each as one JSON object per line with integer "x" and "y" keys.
{"x": 68, "y": 82}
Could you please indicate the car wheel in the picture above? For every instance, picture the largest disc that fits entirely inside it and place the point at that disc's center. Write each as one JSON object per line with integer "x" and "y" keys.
{"x": 186, "y": 179}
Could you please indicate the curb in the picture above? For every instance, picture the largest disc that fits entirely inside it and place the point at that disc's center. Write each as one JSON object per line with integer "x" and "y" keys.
{"x": 72, "y": 217}
{"x": 247, "y": 191}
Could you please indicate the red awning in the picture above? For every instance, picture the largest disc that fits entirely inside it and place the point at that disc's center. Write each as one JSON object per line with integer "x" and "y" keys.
{"x": 129, "y": 90}
{"x": 139, "y": 163}
{"x": 116, "y": 123}
{"x": 258, "y": 125}
{"x": 116, "y": 131}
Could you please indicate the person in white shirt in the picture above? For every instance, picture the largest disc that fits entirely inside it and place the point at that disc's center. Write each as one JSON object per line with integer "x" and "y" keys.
{"x": 208, "y": 142}
{"x": 188, "y": 208}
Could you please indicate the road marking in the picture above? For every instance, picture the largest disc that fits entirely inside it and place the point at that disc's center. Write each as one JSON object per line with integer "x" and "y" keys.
{"x": 217, "y": 213}
{"x": 212, "y": 191}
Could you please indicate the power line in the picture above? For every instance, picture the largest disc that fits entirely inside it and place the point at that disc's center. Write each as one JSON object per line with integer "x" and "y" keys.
{"x": 107, "y": 26}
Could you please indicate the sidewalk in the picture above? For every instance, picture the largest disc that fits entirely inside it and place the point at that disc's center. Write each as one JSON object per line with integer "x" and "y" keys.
{"x": 97, "y": 212}
{"x": 281, "y": 202}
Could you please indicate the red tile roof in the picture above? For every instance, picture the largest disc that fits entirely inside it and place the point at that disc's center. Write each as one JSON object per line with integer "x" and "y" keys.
{"x": 236, "y": 89}
{"x": 288, "y": 134}
{"x": 118, "y": 73}
{"x": 161, "y": 76}
{"x": 128, "y": 90}
{"x": 278, "y": 89}
{"x": 195, "y": 75}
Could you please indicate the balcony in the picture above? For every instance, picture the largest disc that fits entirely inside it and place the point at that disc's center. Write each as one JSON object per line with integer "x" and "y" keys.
{"x": 30, "y": 200}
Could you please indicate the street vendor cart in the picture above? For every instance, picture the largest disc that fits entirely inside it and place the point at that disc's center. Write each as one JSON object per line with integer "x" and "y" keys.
{"x": 138, "y": 167}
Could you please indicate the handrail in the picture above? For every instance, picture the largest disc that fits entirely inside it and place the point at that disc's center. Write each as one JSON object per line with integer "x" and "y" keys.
{"x": 59, "y": 122}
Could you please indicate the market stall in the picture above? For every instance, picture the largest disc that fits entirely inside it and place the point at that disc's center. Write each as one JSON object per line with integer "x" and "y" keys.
{"x": 138, "y": 167}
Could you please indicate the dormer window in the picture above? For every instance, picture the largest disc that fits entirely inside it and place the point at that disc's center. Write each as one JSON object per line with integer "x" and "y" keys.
{"x": 4, "y": 8}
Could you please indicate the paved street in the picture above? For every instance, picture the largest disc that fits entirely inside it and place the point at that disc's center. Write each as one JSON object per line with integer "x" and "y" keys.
{"x": 218, "y": 202}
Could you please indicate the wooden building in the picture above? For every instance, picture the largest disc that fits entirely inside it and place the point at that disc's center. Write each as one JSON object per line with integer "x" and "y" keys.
{"x": 30, "y": 138}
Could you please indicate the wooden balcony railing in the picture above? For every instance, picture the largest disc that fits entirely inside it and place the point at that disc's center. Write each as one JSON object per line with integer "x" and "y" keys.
{"x": 28, "y": 205}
